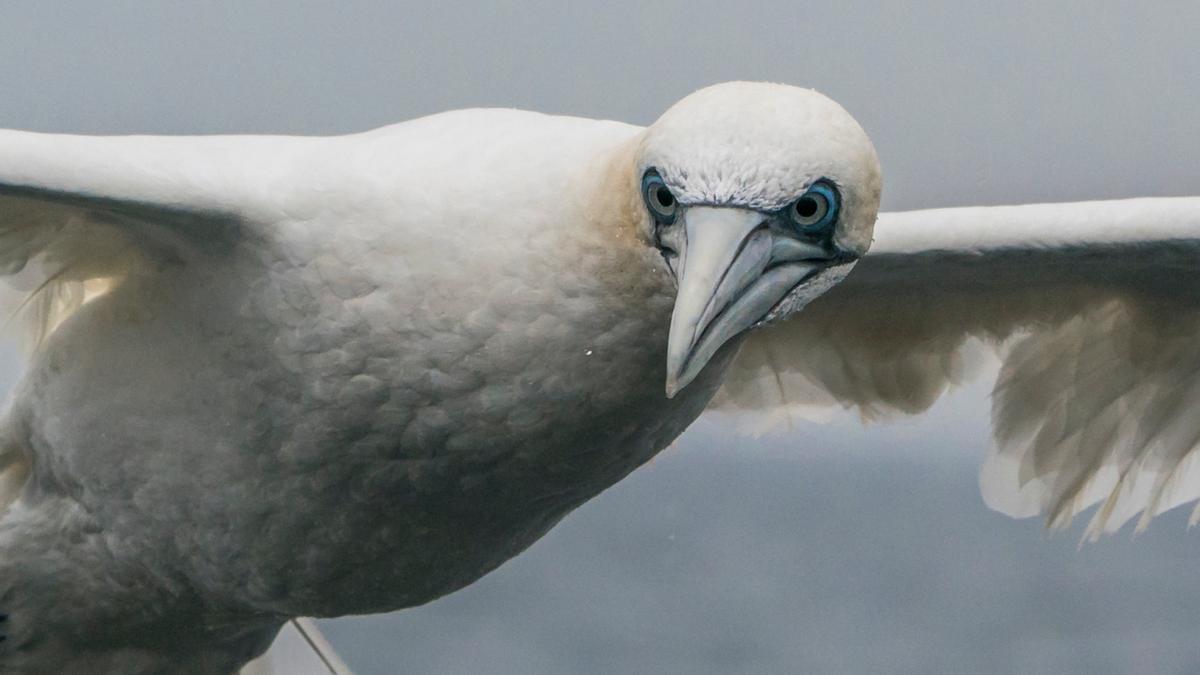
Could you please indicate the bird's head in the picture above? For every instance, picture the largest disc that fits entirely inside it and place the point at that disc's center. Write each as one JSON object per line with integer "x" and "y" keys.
{"x": 760, "y": 197}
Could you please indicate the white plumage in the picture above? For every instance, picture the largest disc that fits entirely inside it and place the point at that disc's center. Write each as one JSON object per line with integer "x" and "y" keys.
{"x": 275, "y": 377}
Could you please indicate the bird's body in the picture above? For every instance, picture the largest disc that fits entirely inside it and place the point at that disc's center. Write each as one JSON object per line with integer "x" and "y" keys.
{"x": 328, "y": 453}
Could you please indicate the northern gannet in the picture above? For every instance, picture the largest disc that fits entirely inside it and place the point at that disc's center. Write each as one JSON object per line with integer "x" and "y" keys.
{"x": 277, "y": 377}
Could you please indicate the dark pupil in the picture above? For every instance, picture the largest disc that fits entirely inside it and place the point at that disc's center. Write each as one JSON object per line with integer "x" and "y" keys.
{"x": 663, "y": 196}
{"x": 806, "y": 207}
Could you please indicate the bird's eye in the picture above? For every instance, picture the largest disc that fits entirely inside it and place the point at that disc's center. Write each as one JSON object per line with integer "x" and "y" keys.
{"x": 658, "y": 198}
{"x": 816, "y": 210}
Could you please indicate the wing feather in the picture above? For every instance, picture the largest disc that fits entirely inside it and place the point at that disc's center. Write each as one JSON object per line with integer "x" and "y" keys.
{"x": 80, "y": 214}
{"x": 79, "y": 209}
{"x": 1093, "y": 310}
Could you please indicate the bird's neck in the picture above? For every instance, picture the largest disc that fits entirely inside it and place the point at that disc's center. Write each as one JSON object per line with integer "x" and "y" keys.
{"x": 612, "y": 201}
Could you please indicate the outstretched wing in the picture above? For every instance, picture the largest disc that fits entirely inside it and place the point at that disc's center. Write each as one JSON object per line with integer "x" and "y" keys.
{"x": 79, "y": 214}
{"x": 79, "y": 209}
{"x": 1094, "y": 309}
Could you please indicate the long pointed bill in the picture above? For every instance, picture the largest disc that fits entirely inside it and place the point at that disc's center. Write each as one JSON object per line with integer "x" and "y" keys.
{"x": 732, "y": 271}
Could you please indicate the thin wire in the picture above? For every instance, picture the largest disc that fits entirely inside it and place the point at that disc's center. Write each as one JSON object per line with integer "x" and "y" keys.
{"x": 315, "y": 648}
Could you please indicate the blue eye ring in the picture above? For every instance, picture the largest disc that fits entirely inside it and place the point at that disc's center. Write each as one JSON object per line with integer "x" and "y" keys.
{"x": 658, "y": 198}
{"x": 815, "y": 212}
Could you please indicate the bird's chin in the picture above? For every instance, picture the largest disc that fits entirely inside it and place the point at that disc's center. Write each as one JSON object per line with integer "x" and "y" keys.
{"x": 805, "y": 292}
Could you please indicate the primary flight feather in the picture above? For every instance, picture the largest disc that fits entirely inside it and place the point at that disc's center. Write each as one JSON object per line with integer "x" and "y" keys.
{"x": 273, "y": 377}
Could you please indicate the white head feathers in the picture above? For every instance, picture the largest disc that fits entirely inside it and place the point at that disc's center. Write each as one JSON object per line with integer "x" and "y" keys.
{"x": 760, "y": 145}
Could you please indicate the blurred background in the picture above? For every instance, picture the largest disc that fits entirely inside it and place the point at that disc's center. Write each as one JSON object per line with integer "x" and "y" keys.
{"x": 828, "y": 548}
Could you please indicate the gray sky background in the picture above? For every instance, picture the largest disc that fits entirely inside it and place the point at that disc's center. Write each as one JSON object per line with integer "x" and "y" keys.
{"x": 833, "y": 548}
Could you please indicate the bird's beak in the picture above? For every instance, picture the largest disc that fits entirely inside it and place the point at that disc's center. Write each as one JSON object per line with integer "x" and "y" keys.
{"x": 732, "y": 269}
